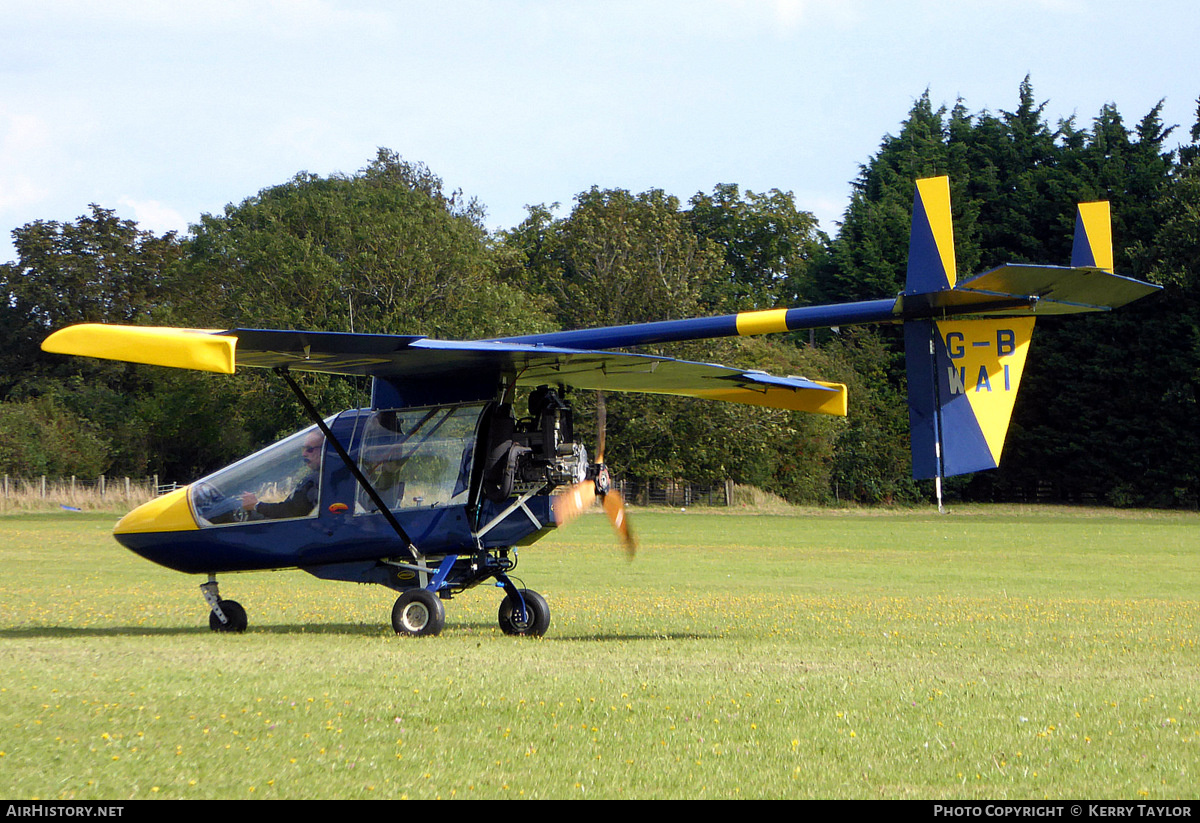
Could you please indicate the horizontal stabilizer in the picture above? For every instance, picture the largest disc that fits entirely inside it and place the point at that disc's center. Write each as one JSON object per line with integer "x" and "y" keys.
{"x": 1018, "y": 289}
{"x": 1012, "y": 290}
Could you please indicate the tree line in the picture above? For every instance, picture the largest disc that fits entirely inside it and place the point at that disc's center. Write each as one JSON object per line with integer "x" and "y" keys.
{"x": 1107, "y": 412}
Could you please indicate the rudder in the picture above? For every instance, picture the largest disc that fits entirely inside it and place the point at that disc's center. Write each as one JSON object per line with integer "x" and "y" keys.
{"x": 1093, "y": 237}
{"x": 963, "y": 377}
{"x": 931, "y": 264}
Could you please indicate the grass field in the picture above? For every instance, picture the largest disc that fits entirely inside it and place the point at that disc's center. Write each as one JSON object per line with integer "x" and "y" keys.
{"x": 988, "y": 653}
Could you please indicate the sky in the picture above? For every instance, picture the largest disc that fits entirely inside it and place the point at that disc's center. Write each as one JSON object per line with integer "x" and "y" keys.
{"x": 164, "y": 111}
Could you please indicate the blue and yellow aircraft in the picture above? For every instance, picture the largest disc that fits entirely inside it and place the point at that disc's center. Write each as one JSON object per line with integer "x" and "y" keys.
{"x": 435, "y": 488}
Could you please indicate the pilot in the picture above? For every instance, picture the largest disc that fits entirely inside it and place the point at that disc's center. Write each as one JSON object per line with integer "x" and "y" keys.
{"x": 303, "y": 500}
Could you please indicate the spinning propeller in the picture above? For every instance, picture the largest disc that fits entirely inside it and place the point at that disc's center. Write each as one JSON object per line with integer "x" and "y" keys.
{"x": 580, "y": 497}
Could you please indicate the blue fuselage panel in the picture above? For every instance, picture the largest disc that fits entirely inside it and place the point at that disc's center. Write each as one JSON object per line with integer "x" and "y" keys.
{"x": 331, "y": 538}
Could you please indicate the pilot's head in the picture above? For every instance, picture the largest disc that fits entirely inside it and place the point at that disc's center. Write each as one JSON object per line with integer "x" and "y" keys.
{"x": 314, "y": 443}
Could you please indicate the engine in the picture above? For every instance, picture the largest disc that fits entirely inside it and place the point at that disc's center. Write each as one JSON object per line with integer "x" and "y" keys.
{"x": 549, "y": 434}
{"x": 530, "y": 452}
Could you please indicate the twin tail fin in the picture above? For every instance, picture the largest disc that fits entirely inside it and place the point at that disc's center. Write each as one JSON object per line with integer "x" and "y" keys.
{"x": 964, "y": 372}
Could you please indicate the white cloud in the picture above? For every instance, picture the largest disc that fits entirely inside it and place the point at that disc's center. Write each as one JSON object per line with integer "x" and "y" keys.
{"x": 151, "y": 215}
{"x": 19, "y": 192}
{"x": 793, "y": 15}
{"x": 22, "y": 136}
{"x": 195, "y": 16}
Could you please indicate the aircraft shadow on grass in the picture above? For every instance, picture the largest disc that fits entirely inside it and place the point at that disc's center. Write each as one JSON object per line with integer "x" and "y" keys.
{"x": 346, "y": 629}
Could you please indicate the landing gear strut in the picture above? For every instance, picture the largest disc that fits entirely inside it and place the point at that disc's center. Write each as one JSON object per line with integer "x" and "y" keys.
{"x": 226, "y": 615}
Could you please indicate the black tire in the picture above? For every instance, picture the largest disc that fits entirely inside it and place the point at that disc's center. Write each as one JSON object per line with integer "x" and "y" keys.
{"x": 418, "y": 613}
{"x": 537, "y": 615}
{"x": 234, "y": 613}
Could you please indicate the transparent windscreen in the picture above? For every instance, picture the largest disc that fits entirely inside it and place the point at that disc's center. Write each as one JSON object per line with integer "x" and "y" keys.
{"x": 418, "y": 457}
{"x": 281, "y": 481}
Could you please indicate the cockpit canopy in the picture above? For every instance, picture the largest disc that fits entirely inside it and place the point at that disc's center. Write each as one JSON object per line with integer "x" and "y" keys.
{"x": 414, "y": 458}
{"x": 286, "y": 471}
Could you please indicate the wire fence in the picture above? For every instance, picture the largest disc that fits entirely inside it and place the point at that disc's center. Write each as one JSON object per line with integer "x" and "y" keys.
{"x": 676, "y": 493}
{"x": 42, "y": 492}
{"x": 107, "y": 493}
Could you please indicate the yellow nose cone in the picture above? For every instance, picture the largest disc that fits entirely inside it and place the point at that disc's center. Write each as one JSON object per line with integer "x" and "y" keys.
{"x": 169, "y": 513}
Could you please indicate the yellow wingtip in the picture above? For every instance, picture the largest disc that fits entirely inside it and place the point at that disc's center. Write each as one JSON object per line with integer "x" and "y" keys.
{"x": 198, "y": 349}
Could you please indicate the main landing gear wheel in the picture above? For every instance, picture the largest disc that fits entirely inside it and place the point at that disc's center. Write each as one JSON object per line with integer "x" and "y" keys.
{"x": 535, "y": 621}
{"x": 235, "y": 617}
{"x": 418, "y": 613}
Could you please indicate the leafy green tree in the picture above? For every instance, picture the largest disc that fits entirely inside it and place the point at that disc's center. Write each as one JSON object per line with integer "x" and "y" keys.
{"x": 624, "y": 258}
{"x": 40, "y": 437}
{"x": 788, "y": 453}
{"x": 387, "y": 250}
{"x": 871, "y": 462}
{"x": 384, "y": 251}
{"x": 98, "y": 269}
{"x": 768, "y": 245}
{"x": 528, "y": 256}
{"x": 619, "y": 258}
{"x": 1098, "y": 394}
{"x": 1095, "y": 421}
{"x": 868, "y": 257}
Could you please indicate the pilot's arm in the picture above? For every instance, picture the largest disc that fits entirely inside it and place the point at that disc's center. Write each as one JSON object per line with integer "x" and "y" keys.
{"x": 300, "y": 503}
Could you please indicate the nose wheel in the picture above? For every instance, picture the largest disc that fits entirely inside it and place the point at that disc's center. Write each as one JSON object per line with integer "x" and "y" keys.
{"x": 224, "y": 615}
{"x": 234, "y": 614}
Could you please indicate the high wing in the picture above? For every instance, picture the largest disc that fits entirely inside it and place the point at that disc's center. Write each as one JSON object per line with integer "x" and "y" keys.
{"x": 402, "y": 359}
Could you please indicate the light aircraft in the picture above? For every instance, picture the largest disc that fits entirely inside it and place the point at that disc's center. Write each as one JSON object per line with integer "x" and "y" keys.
{"x": 435, "y": 487}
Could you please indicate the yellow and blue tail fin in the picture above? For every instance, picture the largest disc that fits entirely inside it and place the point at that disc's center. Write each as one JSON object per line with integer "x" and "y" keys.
{"x": 1093, "y": 237}
{"x": 963, "y": 374}
{"x": 931, "y": 266}
{"x": 963, "y": 377}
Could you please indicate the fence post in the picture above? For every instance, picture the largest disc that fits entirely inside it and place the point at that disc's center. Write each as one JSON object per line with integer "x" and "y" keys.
{"x": 43, "y": 485}
{"x": 101, "y": 487}
{"x": 127, "y": 485}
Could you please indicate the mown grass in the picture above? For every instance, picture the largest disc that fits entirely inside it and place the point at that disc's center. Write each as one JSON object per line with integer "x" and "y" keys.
{"x": 988, "y": 653}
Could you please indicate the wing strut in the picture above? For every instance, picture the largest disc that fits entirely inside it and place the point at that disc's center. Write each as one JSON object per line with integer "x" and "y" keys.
{"x": 381, "y": 506}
